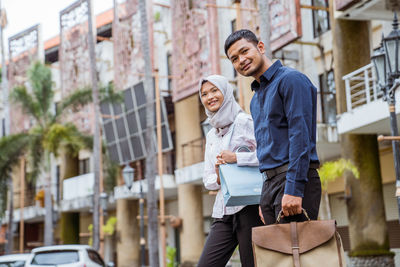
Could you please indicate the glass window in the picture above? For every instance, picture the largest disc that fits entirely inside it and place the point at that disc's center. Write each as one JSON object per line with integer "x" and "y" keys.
{"x": 18, "y": 264}
{"x": 84, "y": 166}
{"x": 55, "y": 257}
{"x": 93, "y": 256}
{"x": 328, "y": 97}
{"x": 169, "y": 70}
{"x": 320, "y": 18}
{"x": 3, "y": 127}
{"x": 12, "y": 264}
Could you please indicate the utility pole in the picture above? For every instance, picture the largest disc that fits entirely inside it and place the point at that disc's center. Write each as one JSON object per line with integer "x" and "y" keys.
{"x": 265, "y": 29}
{"x": 96, "y": 136}
{"x": 4, "y": 86}
{"x": 152, "y": 232}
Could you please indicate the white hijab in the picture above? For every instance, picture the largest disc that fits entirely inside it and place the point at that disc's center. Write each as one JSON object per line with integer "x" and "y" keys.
{"x": 226, "y": 114}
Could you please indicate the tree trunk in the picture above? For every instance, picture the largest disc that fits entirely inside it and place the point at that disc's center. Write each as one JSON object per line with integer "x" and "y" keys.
{"x": 48, "y": 204}
{"x": 96, "y": 137}
{"x": 152, "y": 233}
{"x": 367, "y": 222}
{"x": 265, "y": 31}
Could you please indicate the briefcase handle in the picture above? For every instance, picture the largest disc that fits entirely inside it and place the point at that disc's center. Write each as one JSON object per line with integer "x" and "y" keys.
{"x": 281, "y": 213}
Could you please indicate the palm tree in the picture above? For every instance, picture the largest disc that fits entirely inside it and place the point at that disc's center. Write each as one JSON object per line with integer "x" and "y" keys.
{"x": 152, "y": 211}
{"x": 329, "y": 172}
{"x": 47, "y": 136}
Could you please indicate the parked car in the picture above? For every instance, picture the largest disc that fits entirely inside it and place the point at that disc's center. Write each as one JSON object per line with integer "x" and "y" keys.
{"x": 13, "y": 260}
{"x": 66, "y": 256}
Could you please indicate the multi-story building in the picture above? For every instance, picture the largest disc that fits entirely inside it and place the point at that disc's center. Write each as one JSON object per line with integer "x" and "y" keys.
{"x": 187, "y": 40}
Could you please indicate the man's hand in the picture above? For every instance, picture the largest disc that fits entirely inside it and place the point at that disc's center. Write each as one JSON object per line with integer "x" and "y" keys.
{"x": 226, "y": 156}
{"x": 291, "y": 205}
{"x": 260, "y": 214}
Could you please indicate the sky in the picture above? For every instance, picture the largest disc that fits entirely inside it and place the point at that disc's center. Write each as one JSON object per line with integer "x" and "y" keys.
{"x": 22, "y": 14}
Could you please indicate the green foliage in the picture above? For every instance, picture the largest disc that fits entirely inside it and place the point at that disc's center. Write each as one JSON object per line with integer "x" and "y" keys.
{"x": 369, "y": 249}
{"x": 40, "y": 80}
{"x": 111, "y": 170}
{"x": 157, "y": 16}
{"x": 171, "y": 257}
{"x": 90, "y": 228}
{"x": 108, "y": 94}
{"x": 75, "y": 101}
{"x": 331, "y": 170}
{"x": 29, "y": 105}
{"x": 62, "y": 135}
{"x": 12, "y": 147}
{"x": 109, "y": 227}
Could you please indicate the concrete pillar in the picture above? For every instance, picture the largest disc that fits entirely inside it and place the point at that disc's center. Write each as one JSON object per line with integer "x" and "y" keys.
{"x": 212, "y": 24}
{"x": 128, "y": 247}
{"x": 188, "y": 131}
{"x": 189, "y": 151}
{"x": 367, "y": 223}
{"x": 192, "y": 232}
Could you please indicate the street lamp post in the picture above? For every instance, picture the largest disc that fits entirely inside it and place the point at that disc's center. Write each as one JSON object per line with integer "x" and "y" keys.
{"x": 387, "y": 65}
{"x": 128, "y": 174}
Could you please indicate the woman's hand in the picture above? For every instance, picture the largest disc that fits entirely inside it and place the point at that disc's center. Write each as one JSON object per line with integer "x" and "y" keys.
{"x": 217, "y": 172}
{"x": 226, "y": 156}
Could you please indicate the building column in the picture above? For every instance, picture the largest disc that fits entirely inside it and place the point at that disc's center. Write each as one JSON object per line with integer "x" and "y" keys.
{"x": 67, "y": 229}
{"x": 367, "y": 220}
{"x": 192, "y": 233}
{"x": 190, "y": 203}
{"x": 128, "y": 247}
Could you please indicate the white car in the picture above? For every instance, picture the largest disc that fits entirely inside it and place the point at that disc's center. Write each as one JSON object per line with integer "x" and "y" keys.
{"x": 13, "y": 260}
{"x": 65, "y": 256}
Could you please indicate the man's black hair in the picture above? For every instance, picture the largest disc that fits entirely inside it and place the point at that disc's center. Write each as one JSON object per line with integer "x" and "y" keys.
{"x": 237, "y": 35}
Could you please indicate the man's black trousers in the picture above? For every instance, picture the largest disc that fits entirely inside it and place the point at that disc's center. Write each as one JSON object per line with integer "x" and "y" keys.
{"x": 273, "y": 191}
{"x": 228, "y": 232}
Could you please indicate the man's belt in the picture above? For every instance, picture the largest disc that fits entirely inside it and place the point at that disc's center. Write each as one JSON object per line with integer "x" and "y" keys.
{"x": 268, "y": 174}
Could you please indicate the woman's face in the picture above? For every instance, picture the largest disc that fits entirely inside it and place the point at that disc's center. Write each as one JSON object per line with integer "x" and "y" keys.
{"x": 211, "y": 97}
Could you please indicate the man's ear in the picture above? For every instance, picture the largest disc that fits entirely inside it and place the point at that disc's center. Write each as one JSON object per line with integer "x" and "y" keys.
{"x": 260, "y": 47}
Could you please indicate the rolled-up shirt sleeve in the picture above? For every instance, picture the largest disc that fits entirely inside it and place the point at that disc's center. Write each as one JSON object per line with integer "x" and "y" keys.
{"x": 245, "y": 133}
{"x": 209, "y": 176}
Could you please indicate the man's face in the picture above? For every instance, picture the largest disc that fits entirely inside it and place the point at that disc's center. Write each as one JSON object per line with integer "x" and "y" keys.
{"x": 246, "y": 58}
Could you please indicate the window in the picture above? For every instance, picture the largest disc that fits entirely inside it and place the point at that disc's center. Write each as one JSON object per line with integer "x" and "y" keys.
{"x": 3, "y": 127}
{"x": 93, "y": 256}
{"x": 84, "y": 166}
{"x": 328, "y": 97}
{"x": 169, "y": 70}
{"x": 55, "y": 257}
{"x": 58, "y": 177}
{"x": 320, "y": 18}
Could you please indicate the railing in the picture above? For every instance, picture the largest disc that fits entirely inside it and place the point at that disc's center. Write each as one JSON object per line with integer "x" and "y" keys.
{"x": 78, "y": 186}
{"x": 361, "y": 87}
{"x": 193, "y": 151}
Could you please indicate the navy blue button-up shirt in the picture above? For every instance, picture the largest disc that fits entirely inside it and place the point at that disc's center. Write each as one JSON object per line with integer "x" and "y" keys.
{"x": 284, "y": 113}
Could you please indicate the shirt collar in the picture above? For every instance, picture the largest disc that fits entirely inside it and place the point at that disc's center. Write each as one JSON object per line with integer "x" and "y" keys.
{"x": 267, "y": 75}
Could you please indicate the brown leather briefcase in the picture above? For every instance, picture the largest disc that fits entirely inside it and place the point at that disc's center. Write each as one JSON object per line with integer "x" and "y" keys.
{"x": 305, "y": 244}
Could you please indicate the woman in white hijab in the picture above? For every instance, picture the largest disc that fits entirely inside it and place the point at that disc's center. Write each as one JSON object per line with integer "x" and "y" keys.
{"x": 232, "y": 225}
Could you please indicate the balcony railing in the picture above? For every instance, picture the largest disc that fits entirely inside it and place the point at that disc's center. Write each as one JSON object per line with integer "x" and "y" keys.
{"x": 78, "y": 186}
{"x": 361, "y": 87}
{"x": 193, "y": 151}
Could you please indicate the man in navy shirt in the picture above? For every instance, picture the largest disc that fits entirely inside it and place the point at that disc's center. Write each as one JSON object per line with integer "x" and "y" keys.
{"x": 284, "y": 113}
